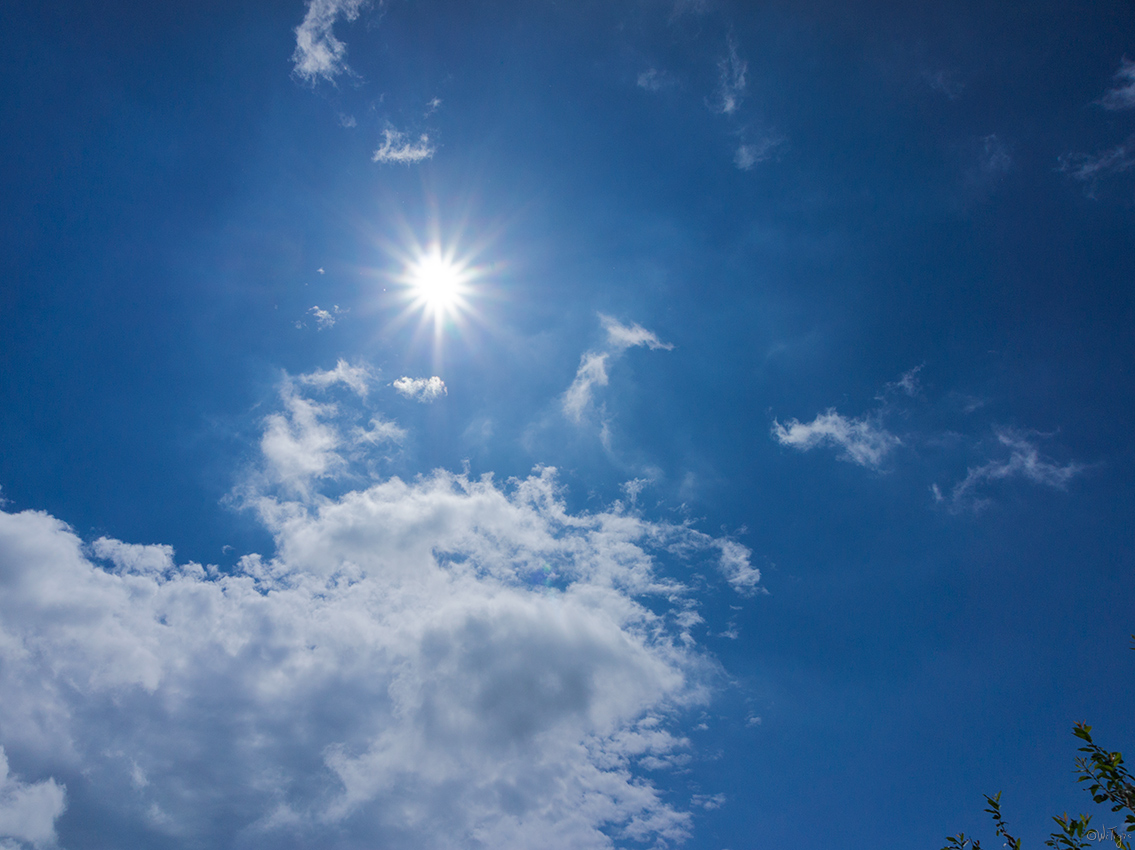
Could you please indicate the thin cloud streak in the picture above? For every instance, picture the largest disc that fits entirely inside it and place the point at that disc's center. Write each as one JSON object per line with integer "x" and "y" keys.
{"x": 1123, "y": 95}
{"x": 1025, "y": 461}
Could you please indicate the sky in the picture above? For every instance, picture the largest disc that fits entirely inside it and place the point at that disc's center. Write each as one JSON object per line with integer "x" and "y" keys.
{"x": 648, "y": 424}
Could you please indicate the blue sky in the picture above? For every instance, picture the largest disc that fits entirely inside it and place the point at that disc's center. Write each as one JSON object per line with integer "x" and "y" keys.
{"x": 656, "y": 424}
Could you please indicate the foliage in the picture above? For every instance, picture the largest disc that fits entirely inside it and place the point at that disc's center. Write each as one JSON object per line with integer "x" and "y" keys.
{"x": 1109, "y": 782}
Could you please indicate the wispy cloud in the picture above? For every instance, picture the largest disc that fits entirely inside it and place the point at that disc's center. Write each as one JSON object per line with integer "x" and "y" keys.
{"x": 1024, "y": 461}
{"x": 996, "y": 159}
{"x": 1087, "y": 168}
{"x": 319, "y": 54}
{"x": 751, "y": 154}
{"x": 357, "y": 377}
{"x": 654, "y": 80}
{"x": 592, "y": 371}
{"x": 421, "y": 389}
{"x": 621, "y": 337}
{"x": 863, "y": 441}
{"x": 945, "y": 82}
{"x": 398, "y": 148}
{"x": 1122, "y": 96}
{"x": 733, "y": 72}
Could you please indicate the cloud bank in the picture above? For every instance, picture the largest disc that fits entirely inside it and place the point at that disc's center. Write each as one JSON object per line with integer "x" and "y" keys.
{"x": 446, "y": 662}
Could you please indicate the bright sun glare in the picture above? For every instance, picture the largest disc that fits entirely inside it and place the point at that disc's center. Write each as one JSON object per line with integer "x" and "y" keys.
{"x": 437, "y": 283}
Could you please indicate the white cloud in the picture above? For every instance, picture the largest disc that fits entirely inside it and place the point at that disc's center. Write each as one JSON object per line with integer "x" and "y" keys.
{"x": 319, "y": 54}
{"x": 445, "y": 662}
{"x": 380, "y": 431}
{"x": 752, "y": 153}
{"x": 592, "y": 372}
{"x": 1024, "y": 461}
{"x": 621, "y": 337}
{"x": 1123, "y": 95}
{"x": 298, "y": 444}
{"x": 358, "y": 377}
{"x": 731, "y": 89}
{"x": 863, "y": 441}
{"x": 396, "y": 147}
{"x": 28, "y": 810}
{"x": 421, "y": 389}
{"x": 325, "y": 318}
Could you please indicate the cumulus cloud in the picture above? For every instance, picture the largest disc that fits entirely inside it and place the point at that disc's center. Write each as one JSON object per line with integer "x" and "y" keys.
{"x": 1123, "y": 95}
{"x": 446, "y": 662}
{"x": 397, "y": 147}
{"x": 592, "y": 371}
{"x": 863, "y": 441}
{"x": 733, "y": 71}
{"x": 1024, "y": 461}
{"x": 28, "y": 811}
{"x": 319, "y": 54}
{"x": 421, "y": 389}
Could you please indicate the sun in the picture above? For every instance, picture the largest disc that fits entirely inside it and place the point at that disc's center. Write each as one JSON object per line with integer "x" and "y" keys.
{"x": 437, "y": 283}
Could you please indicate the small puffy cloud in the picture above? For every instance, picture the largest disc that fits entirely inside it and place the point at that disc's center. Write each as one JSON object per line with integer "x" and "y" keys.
{"x": 1123, "y": 95}
{"x": 433, "y": 106}
{"x": 1024, "y": 461}
{"x": 753, "y": 153}
{"x": 398, "y": 148}
{"x": 733, "y": 72}
{"x": 358, "y": 377}
{"x": 621, "y": 337}
{"x": 421, "y": 389}
{"x": 319, "y": 54}
{"x": 863, "y": 441}
{"x": 654, "y": 80}
{"x": 28, "y": 811}
{"x": 324, "y": 319}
